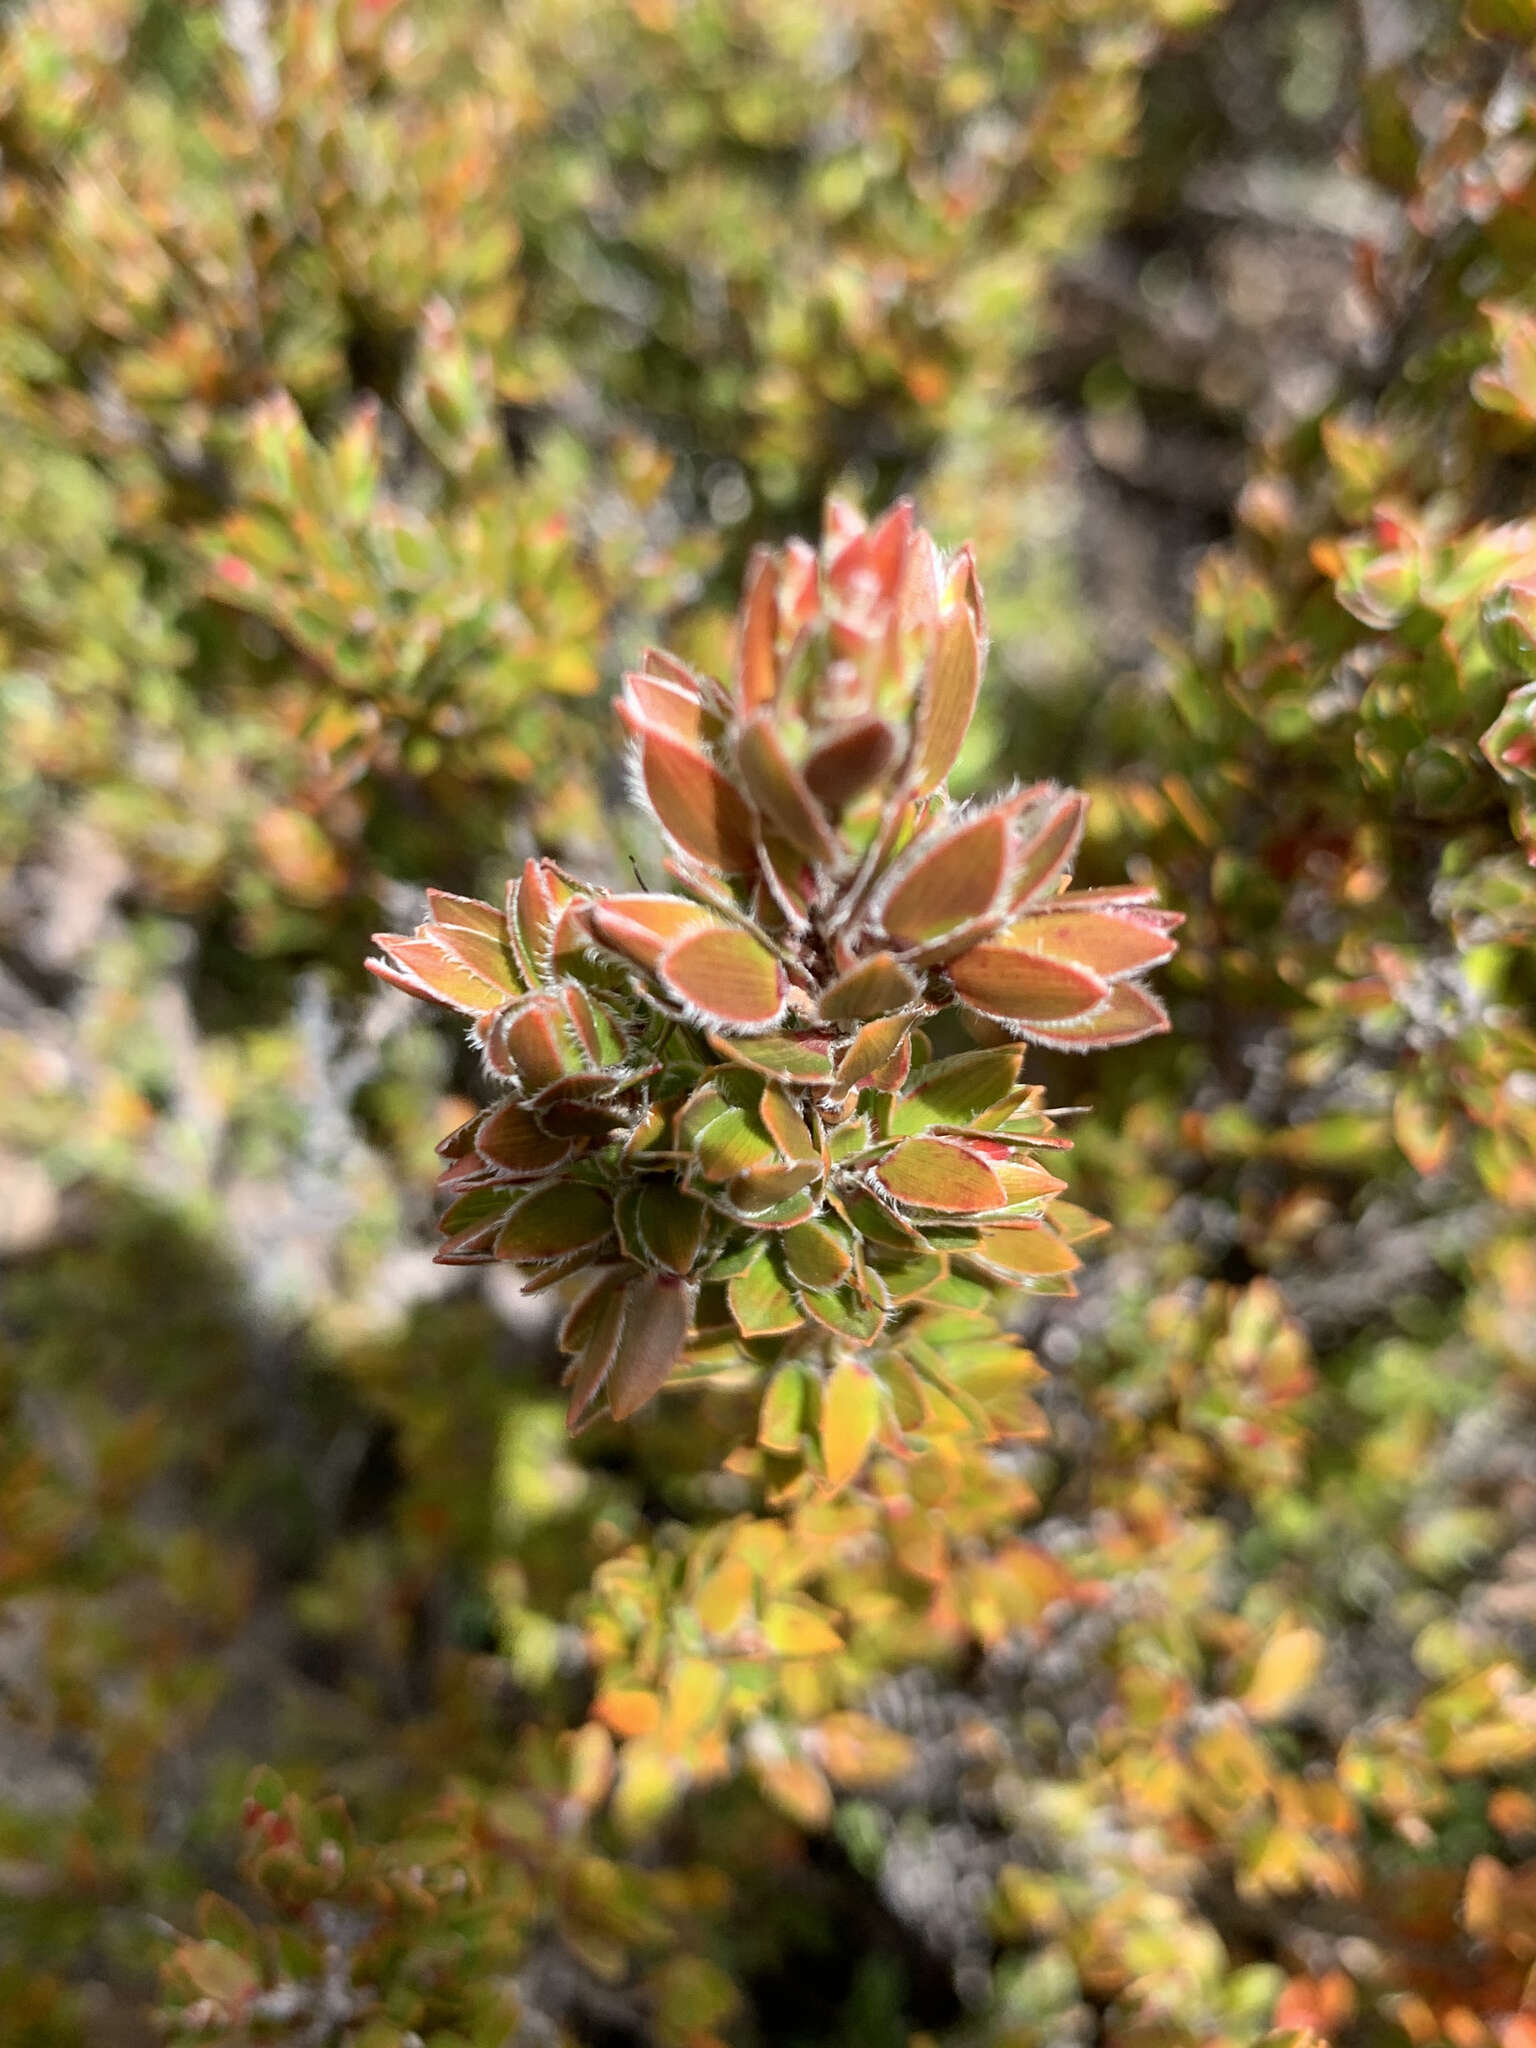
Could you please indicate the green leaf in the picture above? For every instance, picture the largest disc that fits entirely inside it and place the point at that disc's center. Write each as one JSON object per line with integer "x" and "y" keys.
{"x": 732, "y": 1143}
{"x": 780, "y": 1055}
{"x": 1023, "y": 1252}
{"x": 551, "y": 1222}
{"x": 781, "y": 1418}
{"x": 955, "y": 1090}
{"x": 816, "y": 1255}
{"x": 844, "y": 1313}
{"x": 670, "y": 1226}
{"x": 762, "y": 1305}
{"x": 469, "y": 1224}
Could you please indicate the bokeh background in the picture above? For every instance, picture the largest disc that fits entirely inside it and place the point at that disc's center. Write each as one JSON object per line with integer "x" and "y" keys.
{"x": 377, "y": 377}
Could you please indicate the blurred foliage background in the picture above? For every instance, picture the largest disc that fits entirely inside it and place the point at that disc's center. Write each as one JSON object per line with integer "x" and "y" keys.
{"x": 376, "y": 378}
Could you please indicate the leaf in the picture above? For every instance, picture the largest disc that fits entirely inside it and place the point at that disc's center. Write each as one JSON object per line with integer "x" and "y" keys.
{"x": 218, "y": 1974}
{"x": 594, "y": 1362}
{"x": 535, "y": 906}
{"x": 692, "y": 1701}
{"x": 780, "y": 792}
{"x": 724, "y": 1601}
{"x": 786, "y": 1126}
{"x": 937, "y": 1173}
{"x": 844, "y": 1312}
{"x": 425, "y": 970}
{"x": 511, "y": 1140}
{"x": 859, "y": 1753}
{"x": 1284, "y": 1670}
{"x": 760, "y": 1302}
{"x": 670, "y": 1225}
{"x": 947, "y": 698}
{"x": 781, "y": 1417}
{"x": 782, "y": 1056}
{"x": 469, "y": 1224}
{"x": 758, "y": 1190}
{"x": 851, "y": 761}
{"x": 1131, "y": 1012}
{"x": 629, "y": 1710}
{"x": 641, "y": 928}
{"x": 467, "y": 913}
{"x": 1024, "y": 988}
{"x": 550, "y": 1222}
{"x": 535, "y": 1043}
{"x": 795, "y": 1628}
{"x": 903, "y": 1280}
{"x": 730, "y": 1144}
{"x": 1024, "y": 1251}
{"x": 650, "y": 1782}
{"x": 950, "y": 882}
{"x": 797, "y": 1789}
{"x": 1106, "y": 944}
{"x": 873, "y": 1046}
{"x": 872, "y": 989}
{"x": 667, "y": 706}
{"x": 816, "y": 1256}
{"x": 490, "y": 958}
{"x": 727, "y": 975}
{"x": 756, "y": 677}
{"x": 657, "y": 1310}
{"x": 956, "y": 1090}
{"x": 695, "y": 805}
{"x": 1048, "y": 839}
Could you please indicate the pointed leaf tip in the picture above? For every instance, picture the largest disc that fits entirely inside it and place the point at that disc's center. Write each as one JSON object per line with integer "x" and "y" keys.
{"x": 947, "y": 701}
{"x": 657, "y": 1311}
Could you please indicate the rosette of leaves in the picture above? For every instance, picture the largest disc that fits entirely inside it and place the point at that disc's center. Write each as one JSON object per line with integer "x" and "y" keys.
{"x": 730, "y": 1114}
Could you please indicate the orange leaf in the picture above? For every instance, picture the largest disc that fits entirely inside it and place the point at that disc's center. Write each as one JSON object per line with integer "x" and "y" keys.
{"x": 951, "y": 882}
{"x": 935, "y": 1173}
{"x": 695, "y": 805}
{"x": 725, "y": 974}
{"x": 1024, "y": 988}
{"x": 947, "y": 699}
